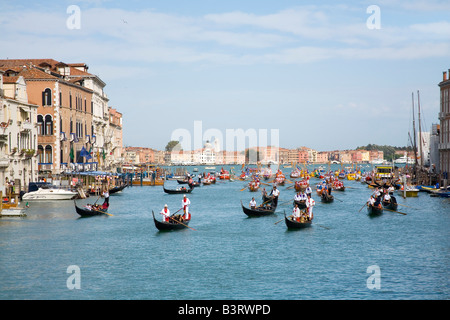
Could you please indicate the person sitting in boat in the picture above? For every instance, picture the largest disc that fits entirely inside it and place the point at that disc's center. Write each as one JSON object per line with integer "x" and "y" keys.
{"x": 166, "y": 213}
{"x": 253, "y": 203}
{"x": 387, "y": 198}
{"x": 296, "y": 213}
{"x": 185, "y": 204}
{"x": 298, "y": 197}
{"x": 310, "y": 203}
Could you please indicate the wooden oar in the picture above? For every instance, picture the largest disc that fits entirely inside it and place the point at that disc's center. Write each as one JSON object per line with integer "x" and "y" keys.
{"x": 283, "y": 219}
{"x": 406, "y": 206}
{"x": 243, "y": 189}
{"x": 365, "y": 204}
{"x": 395, "y": 211}
{"x": 175, "y": 212}
{"x": 264, "y": 203}
{"x": 182, "y": 223}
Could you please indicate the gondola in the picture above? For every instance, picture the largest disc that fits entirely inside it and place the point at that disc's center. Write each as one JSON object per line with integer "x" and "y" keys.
{"x": 171, "y": 225}
{"x": 326, "y": 198}
{"x": 85, "y": 212}
{"x": 117, "y": 188}
{"x": 374, "y": 210}
{"x": 180, "y": 191}
{"x": 258, "y": 212}
{"x": 301, "y": 204}
{"x": 182, "y": 181}
{"x": 290, "y": 224}
{"x": 391, "y": 205}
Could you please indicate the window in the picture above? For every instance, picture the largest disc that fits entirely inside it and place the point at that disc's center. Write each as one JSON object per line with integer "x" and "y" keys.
{"x": 48, "y": 154}
{"x": 48, "y": 125}
{"x": 40, "y": 124}
{"x": 40, "y": 154}
{"x": 47, "y": 97}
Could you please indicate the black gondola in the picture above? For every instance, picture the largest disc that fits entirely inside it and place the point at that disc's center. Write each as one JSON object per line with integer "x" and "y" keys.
{"x": 85, "y": 212}
{"x": 291, "y": 224}
{"x": 185, "y": 190}
{"x": 391, "y": 205}
{"x": 258, "y": 212}
{"x": 326, "y": 198}
{"x": 182, "y": 181}
{"x": 374, "y": 210}
{"x": 171, "y": 225}
{"x": 117, "y": 188}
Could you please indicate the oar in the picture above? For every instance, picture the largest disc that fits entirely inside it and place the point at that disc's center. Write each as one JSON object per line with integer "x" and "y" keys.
{"x": 282, "y": 219}
{"x": 395, "y": 211}
{"x": 406, "y": 206}
{"x": 175, "y": 212}
{"x": 243, "y": 189}
{"x": 181, "y": 223}
{"x": 264, "y": 203}
{"x": 365, "y": 204}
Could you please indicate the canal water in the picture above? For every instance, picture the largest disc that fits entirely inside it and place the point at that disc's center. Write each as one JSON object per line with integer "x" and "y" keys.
{"x": 344, "y": 255}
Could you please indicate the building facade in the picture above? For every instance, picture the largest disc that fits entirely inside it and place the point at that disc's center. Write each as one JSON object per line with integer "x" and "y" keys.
{"x": 444, "y": 118}
{"x": 74, "y": 127}
{"x": 18, "y": 134}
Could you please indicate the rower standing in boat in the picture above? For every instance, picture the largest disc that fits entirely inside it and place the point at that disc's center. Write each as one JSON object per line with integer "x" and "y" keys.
{"x": 166, "y": 213}
{"x": 106, "y": 196}
{"x": 310, "y": 203}
{"x": 275, "y": 194}
{"x": 185, "y": 204}
{"x": 253, "y": 203}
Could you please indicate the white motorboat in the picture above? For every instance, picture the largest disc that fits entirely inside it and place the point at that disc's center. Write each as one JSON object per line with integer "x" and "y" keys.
{"x": 49, "y": 194}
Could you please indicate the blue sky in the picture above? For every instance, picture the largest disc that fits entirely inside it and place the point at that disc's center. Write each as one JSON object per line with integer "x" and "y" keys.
{"x": 313, "y": 70}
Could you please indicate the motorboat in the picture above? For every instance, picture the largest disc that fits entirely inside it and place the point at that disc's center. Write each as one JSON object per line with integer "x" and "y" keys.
{"x": 46, "y": 191}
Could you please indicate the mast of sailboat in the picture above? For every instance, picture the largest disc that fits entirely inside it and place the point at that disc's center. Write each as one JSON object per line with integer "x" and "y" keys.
{"x": 420, "y": 132}
{"x": 414, "y": 134}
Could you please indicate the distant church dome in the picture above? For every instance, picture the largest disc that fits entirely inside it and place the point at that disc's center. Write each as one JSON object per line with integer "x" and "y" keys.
{"x": 207, "y": 145}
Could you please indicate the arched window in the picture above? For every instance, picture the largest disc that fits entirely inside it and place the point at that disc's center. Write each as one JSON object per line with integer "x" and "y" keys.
{"x": 40, "y": 154}
{"x": 47, "y": 97}
{"x": 48, "y": 125}
{"x": 40, "y": 123}
{"x": 48, "y": 154}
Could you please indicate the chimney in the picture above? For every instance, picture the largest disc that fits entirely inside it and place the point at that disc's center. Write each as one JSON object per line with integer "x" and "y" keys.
{"x": 444, "y": 76}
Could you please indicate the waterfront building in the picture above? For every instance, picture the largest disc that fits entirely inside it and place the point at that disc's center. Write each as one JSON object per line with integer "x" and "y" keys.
{"x": 444, "y": 117}
{"x": 73, "y": 116}
{"x": 322, "y": 157}
{"x": 18, "y": 134}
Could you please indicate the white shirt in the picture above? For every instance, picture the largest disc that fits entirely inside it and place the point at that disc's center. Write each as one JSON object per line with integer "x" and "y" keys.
{"x": 252, "y": 203}
{"x": 275, "y": 192}
{"x": 166, "y": 214}
{"x": 298, "y": 197}
{"x": 296, "y": 212}
{"x": 387, "y": 197}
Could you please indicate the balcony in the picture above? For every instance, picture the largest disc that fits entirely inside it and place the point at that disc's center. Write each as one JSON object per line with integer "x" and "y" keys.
{"x": 26, "y": 126}
{"x": 4, "y": 162}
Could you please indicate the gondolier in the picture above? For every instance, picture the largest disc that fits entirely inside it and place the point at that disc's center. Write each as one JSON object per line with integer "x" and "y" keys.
{"x": 106, "y": 196}
{"x": 310, "y": 203}
{"x": 185, "y": 204}
{"x": 166, "y": 213}
{"x": 275, "y": 194}
{"x": 252, "y": 203}
{"x": 296, "y": 213}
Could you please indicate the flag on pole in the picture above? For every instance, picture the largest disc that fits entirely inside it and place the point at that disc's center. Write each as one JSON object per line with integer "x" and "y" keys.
{"x": 71, "y": 154}
{"x": 85, "y": 154}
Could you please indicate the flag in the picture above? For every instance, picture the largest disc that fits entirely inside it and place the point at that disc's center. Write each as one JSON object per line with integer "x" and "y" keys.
{"x": 103, "y": 154}
{"x": 71, "y": 154}
{"x": 85, "y": 154}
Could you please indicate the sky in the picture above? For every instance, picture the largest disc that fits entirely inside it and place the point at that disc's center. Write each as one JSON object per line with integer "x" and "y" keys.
{"x": 324, "y": 74}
